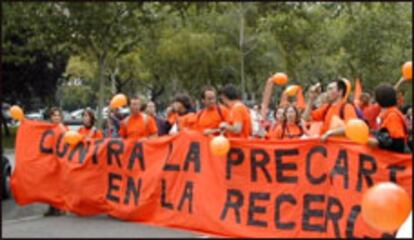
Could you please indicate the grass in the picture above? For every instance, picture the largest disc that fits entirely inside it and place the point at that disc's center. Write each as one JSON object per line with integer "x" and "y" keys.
{"x": 8, "y": 142}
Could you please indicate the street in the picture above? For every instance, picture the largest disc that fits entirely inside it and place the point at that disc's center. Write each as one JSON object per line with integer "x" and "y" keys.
{"x": 28, "y": 221}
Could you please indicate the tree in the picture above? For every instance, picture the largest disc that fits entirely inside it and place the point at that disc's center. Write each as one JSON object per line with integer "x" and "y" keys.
{"x": 378, "y": 41}
{"x": 30, "y": 71}
{"x": 97, "y": 30}
{"x": 159, "y": 49}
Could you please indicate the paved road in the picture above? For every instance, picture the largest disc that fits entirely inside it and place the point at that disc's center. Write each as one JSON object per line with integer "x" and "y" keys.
{"x": 71, "y": 226}
{"x": 28, "y": 222}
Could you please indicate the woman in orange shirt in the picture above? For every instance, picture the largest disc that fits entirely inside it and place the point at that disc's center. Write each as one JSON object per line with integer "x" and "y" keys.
{"x": 56, "y": 117}
{"x": 88, "y": 130}
{"x": 291, "y": 128}
{"x": 392, "y": 133}
{"x": 186, "y": 117}
{"x": 279, "y": 120}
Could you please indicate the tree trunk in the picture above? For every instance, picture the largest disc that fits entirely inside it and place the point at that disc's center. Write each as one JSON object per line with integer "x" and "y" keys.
{"x": 101, "y": 69}
{"x": 113, "y": 85}
{"x": 174, "y": 83}
{"x": 241, "y": 46}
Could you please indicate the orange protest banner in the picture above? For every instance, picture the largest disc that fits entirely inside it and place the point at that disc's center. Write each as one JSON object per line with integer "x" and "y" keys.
{"x": 289, "y": 188}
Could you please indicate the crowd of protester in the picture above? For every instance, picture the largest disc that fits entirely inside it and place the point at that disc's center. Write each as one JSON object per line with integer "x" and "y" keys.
{"x": 384, "y": 111}
{"x": 223, "y": 112}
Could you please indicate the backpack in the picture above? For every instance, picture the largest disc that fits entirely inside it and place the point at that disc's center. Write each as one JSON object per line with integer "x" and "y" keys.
{"x": 402, "y": 145}
{"x": 358, "y": 111}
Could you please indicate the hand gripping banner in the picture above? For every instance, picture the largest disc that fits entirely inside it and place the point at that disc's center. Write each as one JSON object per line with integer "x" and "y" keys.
{"x": 293, "y": 188}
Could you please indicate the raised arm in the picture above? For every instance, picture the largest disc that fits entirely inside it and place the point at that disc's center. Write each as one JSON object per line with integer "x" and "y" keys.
{"x": 311, "y": 99}
{"x": 398, "y": 84}
{"x": 267, "y": 94}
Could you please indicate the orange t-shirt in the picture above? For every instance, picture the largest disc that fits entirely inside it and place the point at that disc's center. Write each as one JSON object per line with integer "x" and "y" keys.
{"x": 393, "y": 120}
{"x": 133, "y": 127}
{"x": 187, "y": 121}
{"x": 211, "y": 118}
{"x": 271, "y": 134}
{"x": 172, "y": 117}
{"x": 327, "y": 111}
{"x": 88, "y": 132}
{"x": 290, "y": 131}
{"x": 240, "y": 113}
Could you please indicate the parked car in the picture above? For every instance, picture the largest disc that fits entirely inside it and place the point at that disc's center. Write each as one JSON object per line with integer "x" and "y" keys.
{"x": 34, "y": 115}
{"x": 66, "y": 115}
{"x": 5, "y": 179}
{"x": 73, "y": 124}
{"x": 77, "y": 114}
{"x": 124, "y": 111}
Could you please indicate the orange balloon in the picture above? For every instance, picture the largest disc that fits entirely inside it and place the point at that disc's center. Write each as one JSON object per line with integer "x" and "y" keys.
{"x": 72, "y": 137}
{"x": 280, "y": 79}
{"x": 16, "y": 113}
{"x": 292, "y": 90}
{"x": 385, "y": 206}
{"x": 348, "y": 87}
{"x": 219, "y": 146}
{"x": 407, "y": 70}
{"x": 118, "y": 101}
{"x": 357, "y": 131}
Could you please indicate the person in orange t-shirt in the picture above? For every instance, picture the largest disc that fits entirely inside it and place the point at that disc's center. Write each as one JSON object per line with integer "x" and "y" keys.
{"x": 138, "y": 125}
{"x": 210, "y": 117}
{"x": 239, "y": 123}
{"x": 88, "y": 130}
{"x": 279, "y": 120}
{"x": 291, "y": 127}
{"x": 392, "y": 133}
{"x": 56, "y": 117}
{"x": 337, "y": 106}
{"x": 186, "y": 117}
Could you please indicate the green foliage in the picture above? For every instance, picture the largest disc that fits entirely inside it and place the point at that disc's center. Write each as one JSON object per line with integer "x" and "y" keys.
{"x": 75, "y": 97}
{"x": 78, "y": 67}
{"x": 158, "y": 49}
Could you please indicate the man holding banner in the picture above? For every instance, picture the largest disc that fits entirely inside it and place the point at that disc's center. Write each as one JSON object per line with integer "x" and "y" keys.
{"x": 239, "y": 124}
{"x": 209, "y": 118}
{"x": 56, "y": 118}
{"x": 138, "y": 125}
